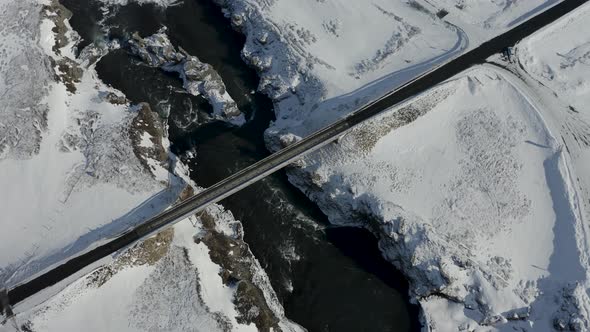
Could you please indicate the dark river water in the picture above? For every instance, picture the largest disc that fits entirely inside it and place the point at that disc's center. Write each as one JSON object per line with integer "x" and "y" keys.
{"x": 327, "y": 278}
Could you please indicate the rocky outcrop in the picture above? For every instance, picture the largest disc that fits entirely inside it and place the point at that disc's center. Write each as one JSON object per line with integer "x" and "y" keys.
{"x": 198, "y": 77}
{"x": 147, "y": 132}
{"x": 254, "y": 298}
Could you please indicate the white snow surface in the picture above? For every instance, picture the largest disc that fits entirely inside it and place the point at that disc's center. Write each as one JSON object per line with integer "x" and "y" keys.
{"x": 25, "y": 72}
{"x": 146, "y": 140}
{"x": 556, "y": 63}
{"x": 483, "y": 19}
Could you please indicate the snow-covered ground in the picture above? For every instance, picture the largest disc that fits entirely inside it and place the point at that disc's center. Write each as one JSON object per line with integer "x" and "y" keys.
{"x": 474, "y": 194}
{"x": 162, "y": 3}
{"x": 482, "y": 19}
{"x": 79, "y": 165}
{"x": 556, "y": 63}
{"x": 319, "y": 60}
{"x": 166, "y": 283}
{"x": 469, "y": 192}
{"x": 69, "y": 173}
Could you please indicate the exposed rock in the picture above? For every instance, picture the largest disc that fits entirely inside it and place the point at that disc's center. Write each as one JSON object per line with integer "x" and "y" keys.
{"x": 69, "y": 73}
{"x": 90, "y": 54}
{"x": 147, "y": 252}
{"x": 198, "y": 77}
{"x": 239, "y": 269}
{"x": 572, "y": 315}
{"x": 146, "y": 133}
{"x": 59, "y": 15}
{"x": 115, "y": 99}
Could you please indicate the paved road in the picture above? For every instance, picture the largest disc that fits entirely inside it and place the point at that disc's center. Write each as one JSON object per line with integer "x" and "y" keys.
{"x": 284, "y": 157}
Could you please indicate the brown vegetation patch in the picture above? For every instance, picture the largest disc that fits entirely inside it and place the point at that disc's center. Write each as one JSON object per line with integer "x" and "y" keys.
{"x": 115, "y": 99}
{"x": 147, "y": 252}
{"x": 68, "y": 70}
{"x": 59, "y": 14}
{"x": 367, "y": 135}
{"x": 69, "y": 73}
{"x": 148, "y": 122}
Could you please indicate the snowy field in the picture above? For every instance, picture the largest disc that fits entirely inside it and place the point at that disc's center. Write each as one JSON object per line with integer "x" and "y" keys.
{"x": 558, "y": 69}
{"x": 468, "y": 190}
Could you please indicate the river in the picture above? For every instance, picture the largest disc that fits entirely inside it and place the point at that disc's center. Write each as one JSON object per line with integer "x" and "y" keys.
{"x": 327, "y": 278}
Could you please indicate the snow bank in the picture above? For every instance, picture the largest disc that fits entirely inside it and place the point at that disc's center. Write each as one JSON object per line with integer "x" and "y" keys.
{"x": 483, "y": 19}
{"x": 559, "y": 56}
{"x": 554, "y": 62}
